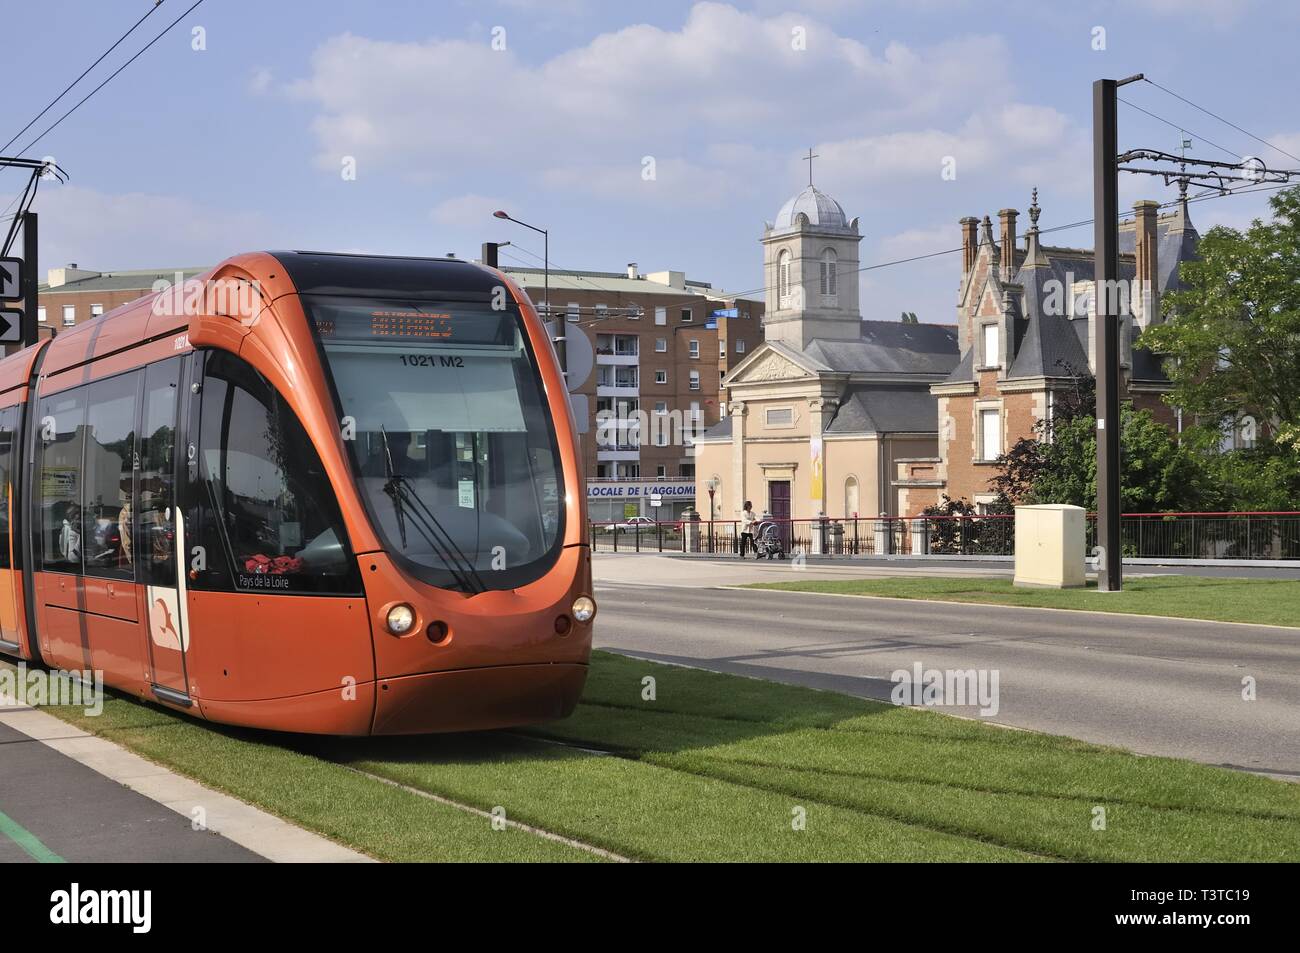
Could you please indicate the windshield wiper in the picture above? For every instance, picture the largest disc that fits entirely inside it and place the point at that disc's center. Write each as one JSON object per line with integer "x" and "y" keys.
{"x": 420, "y": 511}
{"x": 428, "y": 525}
{"x": 391, "y": 487}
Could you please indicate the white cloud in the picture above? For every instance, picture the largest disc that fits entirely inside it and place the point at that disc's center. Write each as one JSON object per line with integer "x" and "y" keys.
{"x": 260, "y": 80}
{"x": 433, "y": 109}
{"x": 92, "y": 228}
{"x": 920, "y": 241}
{"x": 1215, "y": 13}
{"x": 1023, "y": 142}
{"x": 467, "y": 211}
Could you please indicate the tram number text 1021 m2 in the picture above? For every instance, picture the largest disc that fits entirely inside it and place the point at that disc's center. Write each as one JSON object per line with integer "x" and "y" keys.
{"x": 432, "y": 360}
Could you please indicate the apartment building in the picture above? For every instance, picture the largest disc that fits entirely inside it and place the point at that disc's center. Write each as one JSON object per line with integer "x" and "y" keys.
{"x": 72, "y": 294}
{"x": 662, "y": 344}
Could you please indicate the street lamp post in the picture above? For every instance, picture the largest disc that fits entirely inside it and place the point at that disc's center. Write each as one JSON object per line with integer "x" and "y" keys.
{"x": 561, "y": 349}
{"x": 712, "y": 486}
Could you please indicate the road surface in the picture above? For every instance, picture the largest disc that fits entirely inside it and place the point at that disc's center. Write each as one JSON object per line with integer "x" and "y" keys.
{"x": 1158, "y": 686}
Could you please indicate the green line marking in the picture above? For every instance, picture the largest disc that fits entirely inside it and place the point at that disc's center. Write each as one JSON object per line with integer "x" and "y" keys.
{"x": 27, "y": 841}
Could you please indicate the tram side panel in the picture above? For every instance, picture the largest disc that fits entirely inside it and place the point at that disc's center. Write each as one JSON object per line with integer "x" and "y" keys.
{"x": 270, "y": 645}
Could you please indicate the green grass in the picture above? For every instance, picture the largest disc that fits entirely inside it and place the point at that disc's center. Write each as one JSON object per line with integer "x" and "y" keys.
{"x": 717, "y": 768}
{"x": 1266, "y": 601}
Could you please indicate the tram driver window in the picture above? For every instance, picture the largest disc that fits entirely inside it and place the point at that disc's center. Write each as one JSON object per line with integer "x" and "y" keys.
{"x": 264, "y": 490}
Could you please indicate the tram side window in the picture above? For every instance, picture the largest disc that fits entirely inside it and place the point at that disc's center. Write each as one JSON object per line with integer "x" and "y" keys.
{"x": 153, "y": 532}
{"x": 8, "y": 427}
{"x": 108, "y": 476}
{"x": 62, "y": 426}
{"x": 264, "y": 489}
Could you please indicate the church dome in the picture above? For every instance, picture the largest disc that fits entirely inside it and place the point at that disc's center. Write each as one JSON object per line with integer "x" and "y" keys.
{"x": 822, "y": 210}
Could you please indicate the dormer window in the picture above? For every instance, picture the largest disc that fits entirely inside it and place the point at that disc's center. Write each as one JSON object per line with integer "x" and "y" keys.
{"x": 991, "y": 357}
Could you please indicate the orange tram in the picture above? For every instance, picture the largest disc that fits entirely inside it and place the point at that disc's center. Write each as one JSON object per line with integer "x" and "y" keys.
{"x": 310, "y": 492}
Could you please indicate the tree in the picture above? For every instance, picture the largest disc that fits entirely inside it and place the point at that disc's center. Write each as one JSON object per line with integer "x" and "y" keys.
{"x": 1157, "y": 473}
{"x": 909, "y": 317}
{"x": 1022, "y": 467}
{"x": 1265, "y": 477}
{"x": 1231, "y": 338}
{"x": 1059, "y": 463}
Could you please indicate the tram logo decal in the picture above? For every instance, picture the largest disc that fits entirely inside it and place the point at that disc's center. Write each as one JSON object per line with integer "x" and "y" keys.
{"x": 163, "y": 613}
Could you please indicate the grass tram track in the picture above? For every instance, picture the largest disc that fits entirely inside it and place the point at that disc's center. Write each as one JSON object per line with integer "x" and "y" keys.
{"x": 723, "y": 768}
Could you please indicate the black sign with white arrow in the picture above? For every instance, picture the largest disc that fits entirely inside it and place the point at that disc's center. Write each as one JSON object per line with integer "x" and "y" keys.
{"x": 11, "y": 276}
{"x": 11, "y": 326}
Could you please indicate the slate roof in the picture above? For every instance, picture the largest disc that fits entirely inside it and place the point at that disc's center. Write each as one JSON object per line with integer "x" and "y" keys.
{"x": 1053, "y": 346}
{"x": 1053, "y": 343}
{"x": 876, "y": 409}
{"x": 965, "y": 369}
{"x": 721, "y": 431}
{"x": 1176, "y": 239}
{"x": 891, "y": 347}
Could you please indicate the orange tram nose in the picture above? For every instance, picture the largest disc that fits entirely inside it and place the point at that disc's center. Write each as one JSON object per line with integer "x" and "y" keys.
{"x": 315, "y": 493}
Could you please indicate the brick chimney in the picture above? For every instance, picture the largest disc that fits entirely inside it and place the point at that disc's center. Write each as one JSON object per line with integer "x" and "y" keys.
{"x": 969, "y": 242}
{"x": 1146, "y": 293}
{"x": 1007, "y": 217}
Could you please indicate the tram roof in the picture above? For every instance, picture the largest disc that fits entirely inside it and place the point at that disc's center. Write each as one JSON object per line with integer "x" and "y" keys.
{"x": 379, "y": 275}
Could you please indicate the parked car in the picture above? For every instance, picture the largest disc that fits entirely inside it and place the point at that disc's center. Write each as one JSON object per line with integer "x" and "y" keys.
{"x": 642, "y": 523}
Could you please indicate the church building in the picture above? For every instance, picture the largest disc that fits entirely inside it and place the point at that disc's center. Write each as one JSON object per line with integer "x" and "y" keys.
{"x": 832, "y": 414}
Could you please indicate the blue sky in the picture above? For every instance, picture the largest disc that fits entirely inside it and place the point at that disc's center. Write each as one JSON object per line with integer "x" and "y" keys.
{"x": 192, "y": 155}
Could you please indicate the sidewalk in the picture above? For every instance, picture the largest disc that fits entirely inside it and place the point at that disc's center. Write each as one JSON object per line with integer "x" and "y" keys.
{"x": 67, "y": 795}
{"x": 652, "y": 569}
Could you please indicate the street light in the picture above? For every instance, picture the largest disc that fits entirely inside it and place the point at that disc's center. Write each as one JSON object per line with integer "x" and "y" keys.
{"x": 561, "y": 350}
{"x": 712, "y": 486}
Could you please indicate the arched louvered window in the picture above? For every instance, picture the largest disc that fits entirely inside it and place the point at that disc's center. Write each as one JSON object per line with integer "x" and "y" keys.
{"x": 783, "y": 278}
{"x": 829, "y": 262}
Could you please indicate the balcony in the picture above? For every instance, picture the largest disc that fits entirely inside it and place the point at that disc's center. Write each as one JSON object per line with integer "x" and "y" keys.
{"x": 617, "y": 349}
{"x": 619, "y": 453}
{"x": 617, "y": 382}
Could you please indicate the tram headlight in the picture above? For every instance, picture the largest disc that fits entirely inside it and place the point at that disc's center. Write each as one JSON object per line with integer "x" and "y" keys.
{"x": 400, "y": 619}
{"x": 584, "y": 608}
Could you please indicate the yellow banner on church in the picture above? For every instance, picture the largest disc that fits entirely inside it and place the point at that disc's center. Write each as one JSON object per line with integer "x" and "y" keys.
{"x": 818, "y": 476}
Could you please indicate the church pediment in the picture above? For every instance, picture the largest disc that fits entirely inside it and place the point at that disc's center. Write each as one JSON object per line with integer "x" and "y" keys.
{"x": 770, "y": 365}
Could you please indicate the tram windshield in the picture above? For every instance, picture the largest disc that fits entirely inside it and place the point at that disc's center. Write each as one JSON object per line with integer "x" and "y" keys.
{"x": 451, "y": 441}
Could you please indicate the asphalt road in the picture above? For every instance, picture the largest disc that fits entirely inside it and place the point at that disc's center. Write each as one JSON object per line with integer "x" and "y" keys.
{"x": 1157, "y": 686}
{"x": 61, "y": 809}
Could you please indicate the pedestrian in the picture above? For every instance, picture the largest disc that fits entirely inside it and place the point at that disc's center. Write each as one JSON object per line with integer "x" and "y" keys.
{"x": 747, "y": 521}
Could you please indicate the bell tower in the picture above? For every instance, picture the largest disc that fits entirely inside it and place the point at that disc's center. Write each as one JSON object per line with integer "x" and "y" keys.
{"x": 810, "y": 271}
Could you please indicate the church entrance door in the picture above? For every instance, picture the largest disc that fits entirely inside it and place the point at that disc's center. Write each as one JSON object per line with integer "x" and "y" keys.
{"x": 778, "y": 496}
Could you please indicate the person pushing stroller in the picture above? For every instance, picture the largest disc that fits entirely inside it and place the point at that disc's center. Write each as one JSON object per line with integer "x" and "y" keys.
{"x": 747, "y": 521}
